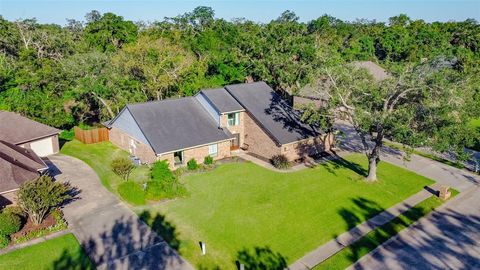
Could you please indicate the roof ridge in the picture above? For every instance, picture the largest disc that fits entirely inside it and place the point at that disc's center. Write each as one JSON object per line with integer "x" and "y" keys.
{"x": 158, "y": 101}
{"x": 235, "y": 84}
{"x": 16, "y": 162}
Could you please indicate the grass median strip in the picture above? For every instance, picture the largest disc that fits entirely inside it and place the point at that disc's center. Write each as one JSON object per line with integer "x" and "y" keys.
{"x": 373, "y": 239}
{"x": 63, "y": 252}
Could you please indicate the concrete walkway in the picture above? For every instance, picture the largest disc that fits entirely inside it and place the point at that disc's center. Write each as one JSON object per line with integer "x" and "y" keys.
{"x": 347, "y": 238}
{"x": 111, "y": 234}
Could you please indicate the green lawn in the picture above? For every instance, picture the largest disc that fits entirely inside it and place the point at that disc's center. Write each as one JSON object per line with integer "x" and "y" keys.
{"x": 62, "y": 252}
{"x": 99, "y": 156}
{"x": 240, "y": 206}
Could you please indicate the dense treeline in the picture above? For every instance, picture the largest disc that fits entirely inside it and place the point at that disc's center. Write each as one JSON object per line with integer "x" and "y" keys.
{"x": 87, "y": 71}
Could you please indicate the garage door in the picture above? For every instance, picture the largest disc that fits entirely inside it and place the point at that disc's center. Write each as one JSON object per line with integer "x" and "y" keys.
{"x": 43, "y": 147}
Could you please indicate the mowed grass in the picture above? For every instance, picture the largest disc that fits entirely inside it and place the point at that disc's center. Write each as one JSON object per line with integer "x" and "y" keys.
{"x": 63, "y": 252}
{"x": 241, "y": 206}
{"x": 99, "y": 156}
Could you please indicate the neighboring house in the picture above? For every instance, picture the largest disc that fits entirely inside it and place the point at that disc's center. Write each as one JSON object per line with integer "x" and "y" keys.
{"x": 26, "y": 133}
{"x": 17, "y": 165}
{"x": 315, "y": 92}
{"x": 214, "y": 123}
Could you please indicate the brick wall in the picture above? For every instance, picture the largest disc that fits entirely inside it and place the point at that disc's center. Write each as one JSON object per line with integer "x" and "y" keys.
{"x": 302, "y": 148}
{"x": 257, "y": 140}
{"x": 169, "y": 158}
{"x": 240, "y": 128}
{"x": 199, "y": 154}
{"x": 144, "y": 152}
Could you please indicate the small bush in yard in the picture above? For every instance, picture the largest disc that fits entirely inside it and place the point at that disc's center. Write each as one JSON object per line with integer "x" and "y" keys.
{"x": 157, "y": 190}
{"x": 4, "y": 240}
{"x": 37, "y": 198}
{"x": 280, "y": 162}
{"x": 17, "y": 210}
{"x": 122, "y": 166}
{"x": 9, "y": 223}
{"x": 161, "y": 171}
{"x": 192, "y": 164}
{"x": 208, "y": 160}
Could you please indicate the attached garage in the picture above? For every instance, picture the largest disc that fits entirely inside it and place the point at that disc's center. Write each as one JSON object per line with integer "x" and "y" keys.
{"x": 29, "y": 134}
{"x": 43, "y": 147}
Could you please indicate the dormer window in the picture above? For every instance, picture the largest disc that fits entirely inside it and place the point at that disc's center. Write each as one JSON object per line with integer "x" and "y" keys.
{"x": 233, "y": 119}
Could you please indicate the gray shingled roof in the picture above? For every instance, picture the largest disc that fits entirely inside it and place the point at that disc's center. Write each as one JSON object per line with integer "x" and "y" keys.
{"x": 17, "y": 129}
{"x": 278, "y": 118}
{"x": 176, "y": 124}
{"x": 17, "y": 165}
{"x": 378, "y": 73}
{"x": 222, "y": 100}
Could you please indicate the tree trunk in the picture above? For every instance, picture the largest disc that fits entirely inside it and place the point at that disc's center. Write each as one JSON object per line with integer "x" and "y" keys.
{"x": 372, "y": 169}
{"x": 374, "y": 159}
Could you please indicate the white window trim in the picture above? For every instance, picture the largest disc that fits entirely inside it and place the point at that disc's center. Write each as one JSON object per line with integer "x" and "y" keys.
{"x": 236, "y": 119}
{"x": 212, "y": 147}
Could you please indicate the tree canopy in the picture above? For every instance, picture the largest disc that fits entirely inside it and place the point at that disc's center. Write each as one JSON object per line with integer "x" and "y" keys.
{"x": 85, "y": 72}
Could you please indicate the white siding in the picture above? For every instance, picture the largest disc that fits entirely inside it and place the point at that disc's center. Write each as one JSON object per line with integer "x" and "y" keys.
{"x": 210, "y": 109}
{"x": 127, "y": 124}
{"x": 43, "y": 147}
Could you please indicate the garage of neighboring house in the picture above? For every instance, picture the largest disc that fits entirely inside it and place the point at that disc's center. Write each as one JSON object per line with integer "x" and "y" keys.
{"x": 29, "y": 134}
{"x": 17, "y": 166}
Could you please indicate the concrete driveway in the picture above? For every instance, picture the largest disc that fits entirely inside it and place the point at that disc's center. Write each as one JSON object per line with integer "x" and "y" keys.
{"x": 111, "y": 234}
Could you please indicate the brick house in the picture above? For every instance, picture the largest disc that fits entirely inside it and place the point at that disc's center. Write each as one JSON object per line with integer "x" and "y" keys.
{"x": 213, "y": 123}
{"x": 29, "y": 134}
{"x": 17, "y": 166}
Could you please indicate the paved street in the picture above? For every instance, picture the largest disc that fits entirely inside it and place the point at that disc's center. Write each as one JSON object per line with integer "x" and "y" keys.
{"x": 112, "y": 235}
{"x": 447, "y": 239}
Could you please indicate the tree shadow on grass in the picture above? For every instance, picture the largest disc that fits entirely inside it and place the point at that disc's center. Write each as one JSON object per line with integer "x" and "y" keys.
{"x": 339, "y": 162}
{"x": 162, "y": 227}
{"x": 76, "y": 260}
{"x": 261, "y": 258}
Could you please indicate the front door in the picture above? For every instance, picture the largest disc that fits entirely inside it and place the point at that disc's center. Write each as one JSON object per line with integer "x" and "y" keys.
{"x": 235, "y": 142}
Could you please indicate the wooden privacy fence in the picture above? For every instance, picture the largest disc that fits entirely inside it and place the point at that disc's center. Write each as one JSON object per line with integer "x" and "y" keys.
{"x": 91, "y": 135}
